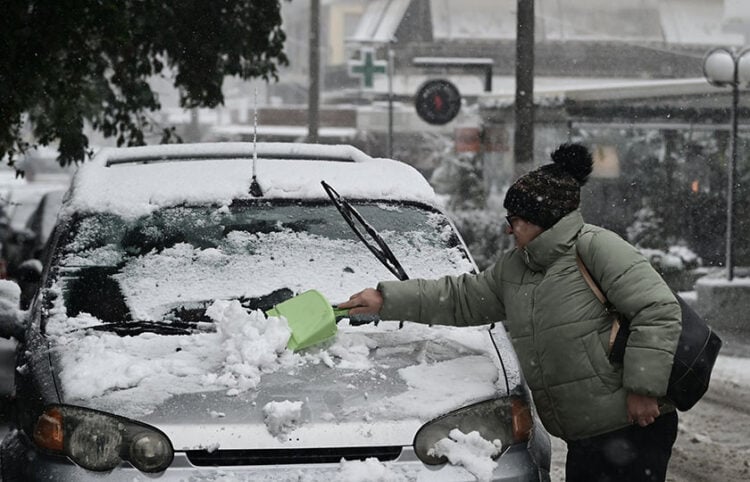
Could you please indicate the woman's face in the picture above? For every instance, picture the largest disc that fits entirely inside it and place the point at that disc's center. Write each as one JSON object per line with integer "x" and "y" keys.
{"x": 523, "y": 231}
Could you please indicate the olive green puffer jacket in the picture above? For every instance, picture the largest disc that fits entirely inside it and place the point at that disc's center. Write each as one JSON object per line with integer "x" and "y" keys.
{"x": 559, "y": 329}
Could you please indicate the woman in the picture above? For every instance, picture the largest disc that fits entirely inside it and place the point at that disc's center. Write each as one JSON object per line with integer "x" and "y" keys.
{"x": 612, "y": 416}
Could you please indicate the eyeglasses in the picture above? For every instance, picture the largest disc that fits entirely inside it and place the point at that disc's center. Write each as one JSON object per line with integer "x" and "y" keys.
{"x": 509, "y": 219}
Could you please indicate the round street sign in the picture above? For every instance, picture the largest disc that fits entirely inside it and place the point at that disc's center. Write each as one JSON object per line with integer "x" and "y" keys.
{"x": 437, "y": 101}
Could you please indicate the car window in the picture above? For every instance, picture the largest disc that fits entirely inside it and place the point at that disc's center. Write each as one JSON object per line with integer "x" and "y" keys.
{"x": 173, "y": 263}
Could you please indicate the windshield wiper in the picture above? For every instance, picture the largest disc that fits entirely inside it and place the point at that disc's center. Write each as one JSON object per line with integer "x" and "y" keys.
{"x": 351, "y": 216}
{"x": 135, "y": 328}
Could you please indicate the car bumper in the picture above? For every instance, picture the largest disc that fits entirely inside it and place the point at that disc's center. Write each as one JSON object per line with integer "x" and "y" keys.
{"x": 20, "y": 461}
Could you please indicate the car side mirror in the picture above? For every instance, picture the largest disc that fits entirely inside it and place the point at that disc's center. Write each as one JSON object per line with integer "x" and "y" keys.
{"x": 29, "y": 274}
{"x": 12, "y": 317}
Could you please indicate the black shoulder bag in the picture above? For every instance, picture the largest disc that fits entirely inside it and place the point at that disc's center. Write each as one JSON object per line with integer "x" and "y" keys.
{"x": 694, "y": 358}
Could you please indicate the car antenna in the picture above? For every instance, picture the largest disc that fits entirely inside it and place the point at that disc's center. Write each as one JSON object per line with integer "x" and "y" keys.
{"x": 255, "y": 189}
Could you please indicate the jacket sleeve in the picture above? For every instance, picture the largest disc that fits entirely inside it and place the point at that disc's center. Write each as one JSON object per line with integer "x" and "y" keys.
{"x": 468, "y": 299}
{"x": 640, "y": 294}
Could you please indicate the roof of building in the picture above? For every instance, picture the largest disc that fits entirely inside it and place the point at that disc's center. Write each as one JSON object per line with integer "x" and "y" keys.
{"x": 694, "y": 22}
{"x": 380, "y": 21}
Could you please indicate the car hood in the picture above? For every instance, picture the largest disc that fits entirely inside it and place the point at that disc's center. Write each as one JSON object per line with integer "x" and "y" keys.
{"x": 368, "y": 386}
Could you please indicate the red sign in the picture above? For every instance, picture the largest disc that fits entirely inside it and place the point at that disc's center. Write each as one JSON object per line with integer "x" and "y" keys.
{"x": 437, "y": 101}
{"x": 468, "y": 139}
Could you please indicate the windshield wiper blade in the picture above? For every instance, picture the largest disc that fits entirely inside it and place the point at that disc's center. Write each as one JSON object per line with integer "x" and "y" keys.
{"x": 135, "y": 328}
{"x": 352, "y": 216}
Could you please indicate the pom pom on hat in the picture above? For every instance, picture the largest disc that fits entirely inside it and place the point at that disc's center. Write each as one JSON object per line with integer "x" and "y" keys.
{"x": 574, "y": 159}
{"x": 545, "y": 195}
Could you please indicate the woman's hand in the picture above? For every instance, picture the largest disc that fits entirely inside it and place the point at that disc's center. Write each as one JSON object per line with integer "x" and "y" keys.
{"x": 366, "y": 302}
{"x": 642, "y": 409}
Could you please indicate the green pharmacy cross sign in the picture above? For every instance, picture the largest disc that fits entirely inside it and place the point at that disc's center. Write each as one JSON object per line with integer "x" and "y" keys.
{"x": 366, "y": 67}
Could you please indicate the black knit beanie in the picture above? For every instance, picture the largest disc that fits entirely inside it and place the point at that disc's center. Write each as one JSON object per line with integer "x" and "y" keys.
{"x": 544, "y": 195}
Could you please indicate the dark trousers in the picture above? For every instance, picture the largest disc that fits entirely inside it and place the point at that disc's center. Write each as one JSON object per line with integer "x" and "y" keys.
{"x": 631, "y": 454}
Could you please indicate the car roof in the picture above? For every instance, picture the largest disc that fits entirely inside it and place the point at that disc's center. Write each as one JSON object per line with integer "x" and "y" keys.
{"x": 134, "y": 181}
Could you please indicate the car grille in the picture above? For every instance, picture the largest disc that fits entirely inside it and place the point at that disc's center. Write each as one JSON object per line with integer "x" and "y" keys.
{"x": 290, "y": 456}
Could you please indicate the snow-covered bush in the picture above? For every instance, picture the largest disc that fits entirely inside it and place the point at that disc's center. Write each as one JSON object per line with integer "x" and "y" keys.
{"x": 647, "y": 229}
{"x": 674, "y": 259}
{"x": 677, "y": 265}
{"x": 460, "y": 179}
{"x": 484, "y": 234}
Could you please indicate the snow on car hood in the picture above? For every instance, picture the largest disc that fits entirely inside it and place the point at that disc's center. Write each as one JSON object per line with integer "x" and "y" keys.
{"x": 368, "y": 385}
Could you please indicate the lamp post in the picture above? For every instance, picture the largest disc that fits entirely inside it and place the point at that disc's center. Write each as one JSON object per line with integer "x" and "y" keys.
{"x": 724, "y": 67}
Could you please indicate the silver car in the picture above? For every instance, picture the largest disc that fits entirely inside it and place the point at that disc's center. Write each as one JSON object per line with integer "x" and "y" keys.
{"x": 152, "y": 348}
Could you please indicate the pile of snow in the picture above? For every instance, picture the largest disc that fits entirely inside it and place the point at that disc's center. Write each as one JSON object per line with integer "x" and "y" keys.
{"x": 470, "y": 451}
{"x": 433, "y": 385}
{"x": 252, "y": 343}
{"x": 369, "y": 470}
{"x": 10, "y": 292}
{"x": 11, "y": 317}
{"x": 732, "y": 369}
{"x": 147, "y": 369}
{"x": 676, "y": 258}
{"x": 282, "y": 417}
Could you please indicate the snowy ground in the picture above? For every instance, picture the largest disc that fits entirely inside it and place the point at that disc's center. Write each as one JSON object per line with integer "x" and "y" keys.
{"x": 713, "y": 443}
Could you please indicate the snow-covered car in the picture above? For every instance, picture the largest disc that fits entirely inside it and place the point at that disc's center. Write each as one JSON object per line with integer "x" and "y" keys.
{"x": 18, "y": 200}
{"x": 149, "y": 352}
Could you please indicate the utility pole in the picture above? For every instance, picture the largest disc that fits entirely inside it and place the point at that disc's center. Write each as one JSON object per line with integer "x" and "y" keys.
{"x": 313, "y": 97}
{"x": 523, "y": 147}
{"x": 391, "y": 64}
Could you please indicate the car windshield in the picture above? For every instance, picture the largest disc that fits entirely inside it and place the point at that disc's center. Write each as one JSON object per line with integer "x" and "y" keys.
{"x": 170, "y": 265}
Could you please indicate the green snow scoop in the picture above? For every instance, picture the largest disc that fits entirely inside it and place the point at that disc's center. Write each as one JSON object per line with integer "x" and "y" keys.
{"x": 311, "y": 318}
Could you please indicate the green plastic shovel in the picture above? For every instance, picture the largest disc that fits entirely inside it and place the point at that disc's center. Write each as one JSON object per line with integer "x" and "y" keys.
{"x": 311, "y": 318}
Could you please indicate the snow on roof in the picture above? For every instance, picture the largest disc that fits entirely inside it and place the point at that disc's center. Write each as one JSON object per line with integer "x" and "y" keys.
{"x": 453, "y": 61}
{"x": 380, "y": 21}
{"x": 555, "y": 89}
{"x": 593, "y": 20}
{"x": 694, "y": 22}
{"x": 473, "y": 19}
{"x": 697, "y": 22}
{"x": 628, "y": 89}
{"x": 134, "y": 181}
{"x": 287, "y": 131}
{"x": 736, "y": 11}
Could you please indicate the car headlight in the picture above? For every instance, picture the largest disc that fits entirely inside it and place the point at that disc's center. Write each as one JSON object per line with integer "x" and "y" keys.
{"x": 100, "y": 441}
{"x": 506, "y": 419}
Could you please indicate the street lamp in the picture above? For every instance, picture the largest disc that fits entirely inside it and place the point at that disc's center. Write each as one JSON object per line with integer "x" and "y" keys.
{"x": 723, "y": 67}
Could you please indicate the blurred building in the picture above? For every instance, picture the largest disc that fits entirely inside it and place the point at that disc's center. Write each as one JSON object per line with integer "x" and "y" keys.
{"x": 583, "y": 48}
{"x": 598, "y": 65}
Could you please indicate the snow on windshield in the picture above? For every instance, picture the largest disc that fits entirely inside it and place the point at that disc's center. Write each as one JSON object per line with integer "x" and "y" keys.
{"x": 154, "y": 271}
{"x": 233, "y": 350}
{"x": 255, "y": 266}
